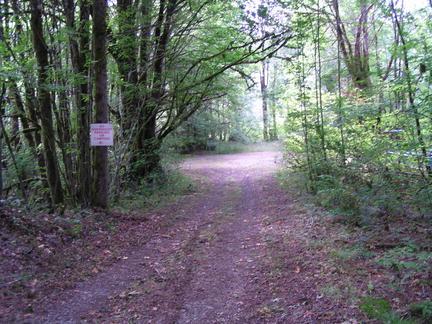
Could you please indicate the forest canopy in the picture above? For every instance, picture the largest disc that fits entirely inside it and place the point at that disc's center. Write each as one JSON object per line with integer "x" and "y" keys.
{"x": 146, "y": 67}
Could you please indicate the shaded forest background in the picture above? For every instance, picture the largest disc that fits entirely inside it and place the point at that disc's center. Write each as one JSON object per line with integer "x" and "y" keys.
{"x": 146, "y": 67}
{"x": 347, "y": 85}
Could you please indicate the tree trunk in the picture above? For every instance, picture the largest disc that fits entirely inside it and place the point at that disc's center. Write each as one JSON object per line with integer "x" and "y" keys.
{"x": 145, "y": 44}
{"x": 100, "y": 165}
{"x": 275, "y": 134}
{"x": 318, "y": 85}
{"x": 146, "y": 156}
{"x": 272, "y": 101}
{"x": 341, "y": 119}
{"x": 19, "y": 106}
{"x": 263, "y": 83}
{"x": 305, "y": 122}
{"x": 61, "y": 107}
{"x": 125, "y": 52}
{"x": 44, "y": 99}
{"x": 3, "y": 92}
{"x": 79, "y": 48}
{"x": 132, "y": 56}
{"x": 357, "y": 59}
{"x": 31, "y": 104}
{"x": 411, "y": 94}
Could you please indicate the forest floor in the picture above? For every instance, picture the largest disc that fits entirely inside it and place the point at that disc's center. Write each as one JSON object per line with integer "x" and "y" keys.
{"x": 237, "y": 249}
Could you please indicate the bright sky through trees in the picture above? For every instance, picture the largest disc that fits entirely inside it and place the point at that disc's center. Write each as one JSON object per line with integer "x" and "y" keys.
{"x": 412, "y": 5}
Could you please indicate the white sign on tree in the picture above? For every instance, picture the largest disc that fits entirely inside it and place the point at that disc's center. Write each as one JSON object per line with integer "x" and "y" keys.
{"x": 101, "y": 135}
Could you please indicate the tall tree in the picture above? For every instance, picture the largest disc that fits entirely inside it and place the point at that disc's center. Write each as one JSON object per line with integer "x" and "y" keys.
{"x": 355, "y": 55}
{"x": 79, "y": 42}
{"x": 264, "y": 97}
{"x": 411, "y": 92}
{"x": 147, "y": 141}
{"x": 44, "y": 103}
{"x": 100, "y": 163}
{"x": 318, "y": 83}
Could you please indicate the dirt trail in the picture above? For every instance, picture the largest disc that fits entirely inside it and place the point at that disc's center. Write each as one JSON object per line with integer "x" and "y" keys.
{"x": 209, "y": 266}
{"x": 218, "y": 291}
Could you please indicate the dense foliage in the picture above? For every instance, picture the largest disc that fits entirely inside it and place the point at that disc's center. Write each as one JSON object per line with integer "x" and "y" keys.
{"x": 350, "y": 80}
{"x": 145, "y": 66}
{"x": 358, "y": 101}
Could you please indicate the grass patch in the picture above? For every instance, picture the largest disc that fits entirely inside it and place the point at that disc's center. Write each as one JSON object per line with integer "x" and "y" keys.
{"x": 380, "y": 309}
{"x": 422, "y": 311}
{"x": 340, "y": 292}
{"x": 406, "y": 258}
{"x": 235, "y": 147}
{"x": 158, "y": 193}
{"x": 351, "y": 253}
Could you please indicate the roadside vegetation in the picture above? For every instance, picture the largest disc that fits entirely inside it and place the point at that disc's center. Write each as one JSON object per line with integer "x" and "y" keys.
{"x": 358, "y": 144}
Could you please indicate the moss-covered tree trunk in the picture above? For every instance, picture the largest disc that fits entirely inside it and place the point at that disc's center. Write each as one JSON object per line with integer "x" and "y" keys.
{"x": 264, "y": 98}
{"x": 44, "y": 101}
{"x": 146, "y": 158}
{"x": 79, "y": 42}
{"x": 355, "y": 55}
{"x": 100, "y": 163}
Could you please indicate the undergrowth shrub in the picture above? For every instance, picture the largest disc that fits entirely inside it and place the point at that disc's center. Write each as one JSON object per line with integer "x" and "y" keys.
{"x": 351, "y": 253}
{"x": 362, "y": 194}
{"x": 332, "y": 194}
{"x": 422, "y": 310}
{"x": 408, "y": 257}
{"x": 229, "y": 147}
{"x": 157, "y": 193}
{"x": 380, "y": 309}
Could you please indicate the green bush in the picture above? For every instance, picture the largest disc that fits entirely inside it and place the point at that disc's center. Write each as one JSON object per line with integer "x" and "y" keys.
{"x": 375, "y": 308}
{"x": 422, "y": 310}
{"x": 406, "y": 257}
{"x": 380, "y": 309}
{"x": 331, "y": 193}
{"x": 157, "y": 193}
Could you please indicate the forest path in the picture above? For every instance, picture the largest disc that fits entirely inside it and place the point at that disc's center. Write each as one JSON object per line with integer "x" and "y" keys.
{"x": 213, "y": 264}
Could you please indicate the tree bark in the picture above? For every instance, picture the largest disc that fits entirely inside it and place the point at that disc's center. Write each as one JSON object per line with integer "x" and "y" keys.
{"x": 100, "y": 165}
{"x": 357, "y": 59}
{"x": 3, "y": 92}
{"x": 147, "y": 159}
{"x": 61, "y": 107}
{"x": 273, "y": 87}
{"x": 131, "y": 51}
{"x": 19, "y": 106}
{"x": 341, "y": 119}
{"x": 44, "y": 100}
{"x": 125, "y": 52}
{"x": 263, "y": 83}
{"x": 318, "y": 85}
{"x": 79, "y": 41}
{"x": 411, "y": 94}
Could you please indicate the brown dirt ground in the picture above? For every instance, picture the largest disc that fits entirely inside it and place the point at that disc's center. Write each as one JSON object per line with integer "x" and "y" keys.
{"x": 239, "y": 251}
